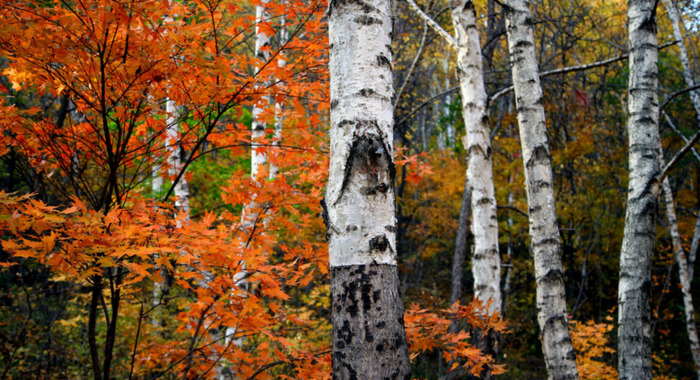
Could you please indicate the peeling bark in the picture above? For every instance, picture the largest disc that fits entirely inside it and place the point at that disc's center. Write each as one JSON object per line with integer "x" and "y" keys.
{"x": 634, "y": 333}
{"x": 369, "y": 341}
{"x": 559, "y": 354}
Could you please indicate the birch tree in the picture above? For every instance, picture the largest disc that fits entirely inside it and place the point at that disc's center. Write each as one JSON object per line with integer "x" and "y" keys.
{"x": 679, "y": 254}
{"x": 367, "y": 311}
{"x": 634, "y": 332}
{"x": 559, "y": 354}
{"x": 486, "y": 261}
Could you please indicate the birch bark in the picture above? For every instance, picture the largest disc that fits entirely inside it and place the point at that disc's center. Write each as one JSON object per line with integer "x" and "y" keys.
{"x": 279, "y": 106}
{"x": 369, "y": 341}
{"x": 258, "y": 161}
{"x": 486, "y": 262}
{"x": 673, "y": 14}
{"x": 559, "y": 354}
{"x": 181, "y": 191}
{"x": 634, "y": 333}
{"x": 682, "y": 262}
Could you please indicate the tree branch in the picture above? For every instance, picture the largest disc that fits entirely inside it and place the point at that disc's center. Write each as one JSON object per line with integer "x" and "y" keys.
{"x": 436, "y": 27}
{"x": 419, "y": 53}
{"x": 673, "y": 126}
{"x": 678, "y": 156}
{"x": 564, "y": 70}
{"x": 677, "y": 93}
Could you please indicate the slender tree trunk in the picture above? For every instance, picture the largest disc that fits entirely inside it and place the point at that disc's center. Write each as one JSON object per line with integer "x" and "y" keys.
{"x": 559, "y": 354}
{"x": 262, "y": 42}
{"x": 279, "y": 106}
{"x": 460, "y": 246}
{"x": 486, "y": 262}
{"x": 181, "y": 192}
{"x": 92, "y": 326}
{"x": 634, "y": 333}
{"x": 682, "y": 262}
{"x": 694, "y": 249}
{"x": 258, "y": 156}
{"x": 369, "y": 341}
{"x": 673, "y": 14}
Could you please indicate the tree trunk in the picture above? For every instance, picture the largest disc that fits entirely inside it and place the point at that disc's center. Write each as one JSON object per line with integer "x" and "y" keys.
{"x": 460, "y": 247}
{"x": 672, "y": 10}
{"x": 262, "y": 41}
{"x": 486, "y": 262}
{"x": 559, "y": 354}
{"x": 634, "y": 333}
{"x": 279, "y": 106}
{"x": 682, "y": 262}
{"x": 369, "y": 341}
{"x": 673, "y": 14}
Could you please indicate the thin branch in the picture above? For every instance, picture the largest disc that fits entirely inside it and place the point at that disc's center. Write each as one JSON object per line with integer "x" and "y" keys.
{"x": 673, "y": 126}
{"x": 419, "y": 54}
{"x": 677, "y": 93}
{"x": 563, "y": 70}
{"x": 570, "y": 69}
{"x": 678, "y": 156}
{"x": 513, "y": 208}
{"x": 425, "y": 103}
{"x": 436, "y": 27}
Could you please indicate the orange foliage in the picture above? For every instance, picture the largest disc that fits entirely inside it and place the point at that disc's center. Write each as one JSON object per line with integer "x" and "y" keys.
{"x": 427, "y": 331}
{"x": 592, "y": 346}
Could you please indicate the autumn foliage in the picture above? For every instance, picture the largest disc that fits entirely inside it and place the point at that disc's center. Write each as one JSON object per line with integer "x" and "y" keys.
{"x": 83, "y": 115}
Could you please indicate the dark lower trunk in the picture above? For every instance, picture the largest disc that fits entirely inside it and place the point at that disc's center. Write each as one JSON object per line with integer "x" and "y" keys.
{"x": 369, "y": 341}
{"x": 461, "y": 245}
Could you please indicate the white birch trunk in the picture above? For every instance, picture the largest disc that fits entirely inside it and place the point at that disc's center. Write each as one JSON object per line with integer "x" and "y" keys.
{"x": 634, "y": 333}
{"x": 559, "y": 354}
{"x": 279, "y": 106}
{"x": 682, "y": 262}
{"x": 694, "y": 249}
{"x": 674, "y": 15}
{"x": 181, "y": 190}
{"x": 369, "y": 341}
{"x": 257, "y": 155}
{"x": 258, "y": 160}
{"x": 486, "y": 262}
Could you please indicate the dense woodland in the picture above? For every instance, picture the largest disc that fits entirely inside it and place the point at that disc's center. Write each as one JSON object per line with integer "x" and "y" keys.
{"x": 181, "y": 185}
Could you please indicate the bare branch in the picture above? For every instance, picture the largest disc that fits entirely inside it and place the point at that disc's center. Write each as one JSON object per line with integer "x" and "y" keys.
{"x": 678, "y": 156}
{"x": 436, "y": 27}
{"x": 673, "y": 126}
{"x": 677, "y": 93}
{"x": 419, "y": 53}
{"x": 570, "y": 69}
{"x": 425, "y": 103}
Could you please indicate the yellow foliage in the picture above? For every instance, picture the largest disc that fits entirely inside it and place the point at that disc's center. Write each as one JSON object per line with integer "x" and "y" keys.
{"x": 591, "y": 345}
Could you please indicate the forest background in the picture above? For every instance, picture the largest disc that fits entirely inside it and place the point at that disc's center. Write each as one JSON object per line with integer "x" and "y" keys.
{"x": 162, "y": 167}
